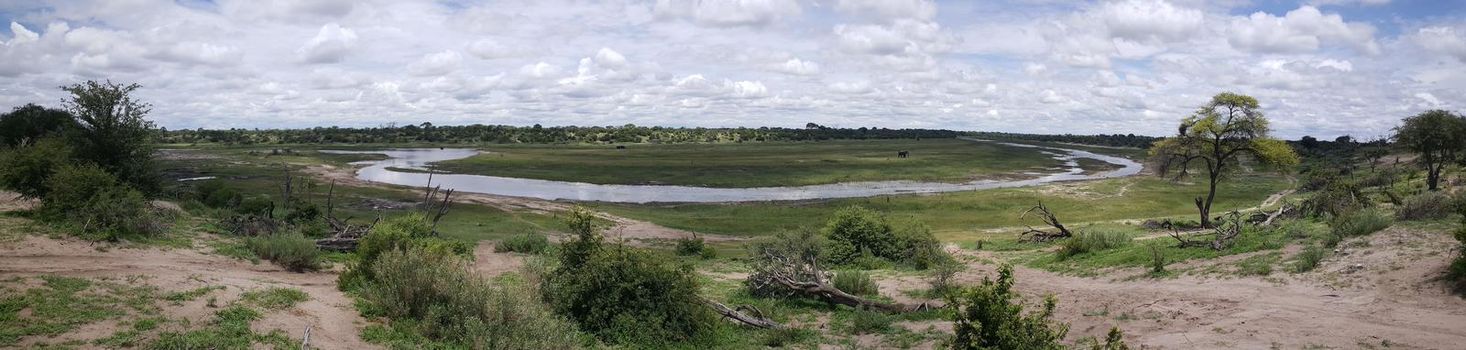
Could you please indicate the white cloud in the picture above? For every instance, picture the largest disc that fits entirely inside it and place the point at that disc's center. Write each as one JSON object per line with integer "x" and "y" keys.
{"x": 796, "y": 66}
{"x": 1444, "y": 40}
{"x": 610, "y": 58}
{"x": 21, "y": 35}
{"x": 330, "y": 45}
{"x": 436, "y": 64}
{"x": 1302, "y": 30}
{"x": 1150, "y": 20}
{"x": 727, "y": 13}
{"x": 889, "y": 9}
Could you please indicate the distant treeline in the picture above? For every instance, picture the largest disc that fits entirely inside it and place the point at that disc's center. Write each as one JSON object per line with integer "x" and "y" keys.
{"x": 1115, "y": 140}
{"x": 429, "y": 133}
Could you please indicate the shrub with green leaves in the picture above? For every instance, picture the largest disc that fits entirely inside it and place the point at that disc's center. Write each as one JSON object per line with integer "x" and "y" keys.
{"x": 695, "y": 246}
{"x": 1308, "y": 259}
{"x": 26, "y": 168}
{"x": 1456, "y": 273}
{"x": 527, "y": 243}
{"x": 855, "y": 282}
{"x": 625, "y": 295}
{"x": 217, "y": 194}
{"x": 856, "y": 232}
{"x": 1336, "y": 199}
{"x": 766, "y": 253}
{"x": 1359, "y": 223}
{"x": 867, "y": 321}
{"x": 100, "y": 207}
{"x": 1425, "y": 206}
{"x": 991, "y": 316}
{"x": 289, "y": 250}
{"x": 1091, "y": 241}
{"x": 439, "y": 297}
{"x": 397, "y": 233}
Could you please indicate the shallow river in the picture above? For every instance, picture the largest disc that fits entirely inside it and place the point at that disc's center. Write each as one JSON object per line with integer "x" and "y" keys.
{"x": 417, "y": 158}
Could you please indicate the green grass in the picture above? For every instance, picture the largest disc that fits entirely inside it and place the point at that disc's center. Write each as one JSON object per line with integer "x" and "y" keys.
{"x": 955, "y": 216}
{"x": 228, "y": 330}
{"x": 1140, "y": 254}
{"x": 755, "y": 164}
{"x": 274, "y": 298}
{"x": 60, "y": 304}
{"x": 192, "y": 294}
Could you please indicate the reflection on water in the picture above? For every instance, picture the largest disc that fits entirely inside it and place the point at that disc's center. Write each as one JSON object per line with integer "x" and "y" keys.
{"x": 417, "y": 158}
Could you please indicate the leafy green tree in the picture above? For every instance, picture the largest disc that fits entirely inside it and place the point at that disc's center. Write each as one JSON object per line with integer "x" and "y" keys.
{"x": 25, "y": 169}
{"x": 113, "y": 132}
{"x": 31, "y": 122}
{"x": 1217, "y": 137}
{"x": 991, "y": 316}
{"x": 1438, "y": 136}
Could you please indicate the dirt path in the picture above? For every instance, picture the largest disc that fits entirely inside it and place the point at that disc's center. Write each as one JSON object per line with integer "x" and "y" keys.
{"x": 334, "y": 323}
{"x": 1385, "y": 293}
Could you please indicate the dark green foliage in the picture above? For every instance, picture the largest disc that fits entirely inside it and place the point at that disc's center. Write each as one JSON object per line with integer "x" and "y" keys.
{"x": 625, "y": 295}
{"x": 1438, "y": 137}
{"x": 300, "y": 211}
{"x": 855, "y": 282}
{"x": 867, "y": 321}
{"x": 779, "y": 338}
{"x": 528, "y": 243}
{"x": 1359, "y": 223}
{"x": 695, "y": 247}
{"x": 435, "y": 295}
{"x": 112, "y": 132}
{"x": 1456, "y": 273}
{"x": 1091, "y": 241}
{"x": 989, "y": 316}
{"x": 1157, "y": 261}
{"x": 290, "y": 250}
{"x": 857, "y": 233}
{"x": 786, "y": 246}
{"x": 1425, "y": 206}
{"x": 101, "y": 208}
{"x": 1308, "y": 258}
{"x": 1336, "y": 198}
{"x": 397, "y": 233}
{"x": 217, "y": 194}
{"x": 30, "y": 122}
{"x": 259, "y": 206}
{"x": 25, "y": 169}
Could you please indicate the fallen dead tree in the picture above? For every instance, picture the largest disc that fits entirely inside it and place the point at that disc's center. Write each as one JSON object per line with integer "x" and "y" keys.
{"x": 1048, "y": 218}
{"x": 1223, "y": 234}
{"x": 754, "y": 317}
{"x": 792, "y": 269}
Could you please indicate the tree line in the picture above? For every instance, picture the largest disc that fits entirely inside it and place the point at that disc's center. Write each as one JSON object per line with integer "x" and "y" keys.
{"x": 477, "y": 133}
{"x": 1112, "y": 140}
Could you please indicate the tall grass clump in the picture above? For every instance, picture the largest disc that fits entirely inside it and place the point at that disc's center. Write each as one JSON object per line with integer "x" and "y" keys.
{"x": 289, "y": 250}
{"x": 439, "y": 297}
{"x": 527, "y": 243}
{"x": 1359, "y": 223}
{"x": 1308, "y": 259}
{"x": 695, "y": 246}
{"x": 855, "y": 282}
{"x": 1092, "y": 241}
{"x": 1425, "y": 206}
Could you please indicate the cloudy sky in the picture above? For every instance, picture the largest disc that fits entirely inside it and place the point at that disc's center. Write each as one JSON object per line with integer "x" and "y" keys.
{"x": 1320, "y": 67}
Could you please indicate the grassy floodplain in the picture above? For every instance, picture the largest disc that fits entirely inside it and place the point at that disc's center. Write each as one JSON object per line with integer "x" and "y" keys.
{"x": 760, "y": 164}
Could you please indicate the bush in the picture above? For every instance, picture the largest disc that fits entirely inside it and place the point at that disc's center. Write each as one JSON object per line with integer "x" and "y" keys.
{"x": 291, "y": 251}
{"x": 1085, "y": 242}
{"x": 625, "y": 295}
{"x": 1157, "y": 260}
{"x": 1308, "y": 259}
{"x": 1336, "y": 199}
{"x": 1359, "y": 223}
{"x": 866, "y": 322}
{"x": 857, "y": 233}
{"x": 695, "y": 247}
{"x": 216, "y": 194}
{"x": 527, "y": 243}
{"x": 436, "y": 295}
{"x": 397, "y": 233}
{"x": 988, "y": 317}
{"x": 259, "y": 206}
{"x": 855, "y": 282}
{"x": 93, "y": 200}
{"x": 25, "y": 169}
{"x": 1457, "y": 271}
{"x": 797, "y": 245}
{"x": 32, "y": 122}
{"x": 1425, "y": 206}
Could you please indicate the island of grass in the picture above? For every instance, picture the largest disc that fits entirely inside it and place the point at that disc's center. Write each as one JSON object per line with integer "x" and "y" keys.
{"x": 759, "y": 164}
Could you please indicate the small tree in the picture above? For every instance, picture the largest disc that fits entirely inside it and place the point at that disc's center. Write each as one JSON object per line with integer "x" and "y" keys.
{"x": 112, "y": 131}
{"x": 29, "y": 123}
{"x": 1438, "y": 136}
{"x": 1219, "y": 136}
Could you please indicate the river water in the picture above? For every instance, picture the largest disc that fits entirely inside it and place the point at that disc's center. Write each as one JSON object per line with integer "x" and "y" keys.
{"x": 418, "y": 158}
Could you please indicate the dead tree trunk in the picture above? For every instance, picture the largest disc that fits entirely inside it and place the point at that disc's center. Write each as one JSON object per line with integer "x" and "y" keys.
{"x": 1048, "y": 218}
{"x": 802, "y": 277}
{"x": 1224, "y": 234}
{"x": 757, "y": 318}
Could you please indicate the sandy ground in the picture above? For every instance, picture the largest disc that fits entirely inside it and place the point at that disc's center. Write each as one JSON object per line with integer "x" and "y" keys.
{"x": 334, "y": 323}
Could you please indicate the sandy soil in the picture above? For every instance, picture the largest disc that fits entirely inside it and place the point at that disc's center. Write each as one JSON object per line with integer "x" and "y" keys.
{"x": 1385, "y": 291}
{"x": 334, "y": 323}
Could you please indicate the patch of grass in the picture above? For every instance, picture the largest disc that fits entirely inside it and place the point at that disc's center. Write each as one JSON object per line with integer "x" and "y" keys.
{"x": 1308, "y": 259}
{"x": 1359, "y": 223}
{"x": 274, "y": 298}
{"x": 1143, "y": 253}
{"x": 755, "y": 164}
{"x": 61, "y": 304}
{"x": 291, "y": 251}
{"x": 855, "y": 282}
{"x": 1257, "y": 265}
{"x": 228, "y": 330}
{"x": 867, "y": 322}
{"x": 527, "y": 243}
{"x": 190, "y": 295}
{"x": 131, "y": 336}
{"x": 235, "y": 249}
{"x": 779, "y": 338}
{"x": 1091, "y": 241}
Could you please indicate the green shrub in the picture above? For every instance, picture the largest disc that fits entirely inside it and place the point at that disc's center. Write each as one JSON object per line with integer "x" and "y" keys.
{"x": 25, "y": 169}
{"x": 989, "y": 317}
{"x": 625, "y": 295}
{"x": 1157, "y": 260}
{"x": 1456, "y": 273}
{"x": 437, "y": 296}
{"x": 527, "y": 243}
{"x": 866, "y": 322}
{"x": 1336, "y": 199}
{"x": 1425, "y": 206}
{"x": 857, "y": 233}
{"x": 803, "y": 245}
{"x": 299, "y": 211}
{"x": 695, "y": 247}
{"x": 93, "y": 201}
{"x": 32, "y": 122}
{"x": 1308, "y": 259}
{"x": 216, "y": 194}
{"x": 291, "y": 251}
{"x": 1359, "y": 223}
{"x": 855, "y": 282}
{"x": 1085, "y": 242}
{"x": 778, "y": 338}
{"x": 397, "y": 233}
{"x": 257, "y": 205}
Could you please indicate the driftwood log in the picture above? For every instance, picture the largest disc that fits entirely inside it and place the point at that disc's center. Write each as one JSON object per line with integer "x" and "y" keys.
{"x": 1044, "y": 214}
{"x": 1223, "y": 234}
{"x": 754, "y": 317}
{"x": 802, "y": 277}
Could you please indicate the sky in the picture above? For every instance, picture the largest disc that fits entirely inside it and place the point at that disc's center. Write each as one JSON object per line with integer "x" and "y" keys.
{"x": 1319, "y": 67}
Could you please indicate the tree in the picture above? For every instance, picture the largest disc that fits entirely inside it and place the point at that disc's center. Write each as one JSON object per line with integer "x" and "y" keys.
{"x": 31, "y": 122}
{"x": 1218, "y": 136}
{"x": 113, "y": 133}
{"x": 1438, "y": 136}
